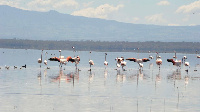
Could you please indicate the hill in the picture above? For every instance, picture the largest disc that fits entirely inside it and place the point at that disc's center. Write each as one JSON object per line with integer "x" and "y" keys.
{"x": 51, "y": 25}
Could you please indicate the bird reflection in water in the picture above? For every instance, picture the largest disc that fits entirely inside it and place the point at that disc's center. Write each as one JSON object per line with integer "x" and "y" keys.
{"x": 139, "y": 75}
{"x": 176, "y": 75}
{"x": 90, "y": 79}
{"x": 120, "y": 77}
{"x": 186, "y": 80}
{"x": 158, "y": 79}
{"x": 105, "y": 76}
{"x": 91, "y": 76}
{"x": 62, "y": 77}
{"x": 150, "y": 65}
{"x": 39, "y": 76}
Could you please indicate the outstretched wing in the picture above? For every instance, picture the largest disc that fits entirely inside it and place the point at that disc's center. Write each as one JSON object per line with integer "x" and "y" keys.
{"x": 145, "y": 59}
{"x": 69, "y": 58}
{"x": 54, "y": 59}
{"x": 131, "y": 59}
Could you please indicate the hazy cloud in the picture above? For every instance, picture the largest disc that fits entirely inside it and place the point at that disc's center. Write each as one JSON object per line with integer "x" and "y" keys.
{"x": 173, "y": 24}
{"x": 195, "y": 6}
{"x": 65, "y": 3}
{"x": 135, "y": 19}
{"x": 10, "y": 3}
{"x": 88, "y": 4}
{"x": 101, "y": 11}
{"x": 157, "y": 18}
{"x": 163, "y": 3}
{"x": 45, "y": 5}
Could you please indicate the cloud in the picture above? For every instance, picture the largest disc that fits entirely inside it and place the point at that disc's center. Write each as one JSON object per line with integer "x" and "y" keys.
{"x": 163, "y": 3}
{"x": 173, "y": 25}
{"x": 10, "y": 3}
{"x": 66, "y": 3}
{"x": 88, "y": 4}
{"x": 192, "y": 25}
{"x": 157, "y": 18}
{"x": 45, "y": 5}
{"x": 135, "y": 19}
{"x": 195, "y": 6}
{"x": 101, "y": 11}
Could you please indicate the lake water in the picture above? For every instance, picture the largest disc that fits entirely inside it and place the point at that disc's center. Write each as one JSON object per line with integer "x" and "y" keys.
{"x": 35, "y": 89}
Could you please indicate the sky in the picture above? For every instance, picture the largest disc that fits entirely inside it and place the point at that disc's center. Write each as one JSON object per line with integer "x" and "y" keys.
{"x": 157, "y": 12}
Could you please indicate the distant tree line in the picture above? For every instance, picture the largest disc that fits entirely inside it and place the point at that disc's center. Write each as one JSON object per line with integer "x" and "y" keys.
{"x": 104, "y": 46}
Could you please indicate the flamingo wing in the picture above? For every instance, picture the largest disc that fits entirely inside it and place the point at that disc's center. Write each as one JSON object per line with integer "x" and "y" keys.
{"x": 145, "y": 59}
{"x": 69, "y": 58}
{"x": 54, "y": 59}
{"x": 131, "y": 59}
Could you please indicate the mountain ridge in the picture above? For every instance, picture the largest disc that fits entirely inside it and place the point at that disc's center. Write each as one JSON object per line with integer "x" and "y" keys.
{"x": 52, "y": 25}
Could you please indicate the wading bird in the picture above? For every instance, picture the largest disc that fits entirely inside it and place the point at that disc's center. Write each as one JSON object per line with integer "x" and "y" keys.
{"x": 61, "y": 59}
{"x": 76, "y": 59}
{"x": 40, "y": 59}
{"x": 120, "y": 62}
{"x": 197, "y": 55}
{"x": 158, "y": 60}
{"x": 91, "y": 62}
{"x": 139, "y": 61}
{"x": 151, "y": 57}
{"x": 175, "y": 62}
{"x": 45, "y": 61}
{"x": 105, "y": 62}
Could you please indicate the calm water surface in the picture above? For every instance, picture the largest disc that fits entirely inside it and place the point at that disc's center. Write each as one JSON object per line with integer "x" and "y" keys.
{"x": 36, "y": 89}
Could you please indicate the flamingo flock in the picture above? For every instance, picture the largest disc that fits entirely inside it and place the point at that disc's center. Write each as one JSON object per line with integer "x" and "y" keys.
{"x": 120, "y": 61}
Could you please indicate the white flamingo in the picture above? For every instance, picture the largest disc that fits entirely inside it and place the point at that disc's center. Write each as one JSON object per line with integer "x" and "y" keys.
{"x": 120, "y": 62}
{"x": 139, "y": 61}
{"x": 45, "y": 61}
{"x": 158, "y": 60}
{"x": 91, "y": 62}
{"x": 197, "y": 55}
{"x": 151, "y": 57}
{"x": 175, "y": 62}
{"x": 75, "y": 59}
{"x": 105, "y": 62}
{"x": 40, "y": 59}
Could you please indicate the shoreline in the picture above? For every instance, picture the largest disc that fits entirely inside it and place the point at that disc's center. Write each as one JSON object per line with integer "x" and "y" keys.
{"x": 103, "y": 46}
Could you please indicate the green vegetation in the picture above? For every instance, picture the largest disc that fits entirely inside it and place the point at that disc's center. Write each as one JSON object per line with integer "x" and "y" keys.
{"x": 104, "y": 46}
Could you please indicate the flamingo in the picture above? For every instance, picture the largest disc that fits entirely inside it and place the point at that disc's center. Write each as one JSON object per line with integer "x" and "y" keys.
{"x": 91, "y": 62}
{"x": 7, "y": 67}
{"x": 105, "y": 62}
{"x": 139, "y": 61}
{"x": 186, "y": 63}
{"x": 75, "y": 59}
{"x": 158, "y": 60}
{"x": 61, "y": 59}
{"x": 45, "y": 61}
{"x": 151, "y": 57}
{"x": 120, "y": 62}
{"x": 175, "y": 62}
{"x": 197, "y": 55}
{"x": 40, "y": 59}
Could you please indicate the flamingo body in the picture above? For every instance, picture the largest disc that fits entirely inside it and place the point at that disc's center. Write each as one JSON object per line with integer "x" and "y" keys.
{"x": 186, "y": 63}
{"x": 39, "y": 60}
{"x": 105, "y": 63}
{"x": 45, "y": 62}
{"x": 159, "y": 61}
{"x": 91, "y": 62}
{"x": 151, "y": 57}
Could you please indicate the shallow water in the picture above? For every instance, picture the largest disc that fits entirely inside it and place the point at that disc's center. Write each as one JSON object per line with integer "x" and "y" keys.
{"x": 103, "y": 89}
